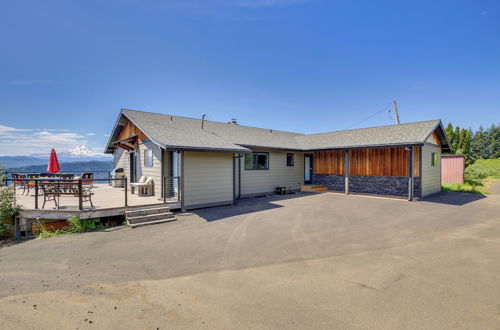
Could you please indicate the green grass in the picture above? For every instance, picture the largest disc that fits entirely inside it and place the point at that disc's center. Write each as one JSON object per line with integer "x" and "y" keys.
{"x": 464, "y": 188}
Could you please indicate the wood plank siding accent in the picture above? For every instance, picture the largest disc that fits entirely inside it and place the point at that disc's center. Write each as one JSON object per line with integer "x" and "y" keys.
{"x": 330, "y": 162}
{"x": 130, "y": 130}
{"x": 367, "y": 162}
{"x": 433, "y": 138}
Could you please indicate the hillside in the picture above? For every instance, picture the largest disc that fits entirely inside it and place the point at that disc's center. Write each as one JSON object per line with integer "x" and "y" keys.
{"x": 20, "y": 161}
{"x": 71, "y": 167}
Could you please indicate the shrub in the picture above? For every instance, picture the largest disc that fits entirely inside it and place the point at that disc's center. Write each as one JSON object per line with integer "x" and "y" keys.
{"x": 481, "y": 169}
{"x": 8, "y": 208}
{"x": 3, "y": 176}
{"x": 75, "y": 225}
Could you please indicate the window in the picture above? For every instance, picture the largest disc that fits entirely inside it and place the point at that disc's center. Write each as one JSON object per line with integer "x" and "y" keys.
{"x": 257, "y": 161}
{"x": 434, "y": 159}
{"x": 148, "y": 158}
{"x": 289, "y": 160}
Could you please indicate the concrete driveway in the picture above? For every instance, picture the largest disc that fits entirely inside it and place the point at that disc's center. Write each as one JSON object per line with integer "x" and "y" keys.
{"x": 307, "y": 261}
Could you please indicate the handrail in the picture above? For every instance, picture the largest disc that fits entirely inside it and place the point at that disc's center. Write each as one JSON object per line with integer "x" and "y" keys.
{"x": 81, "y": 183}
{"x": 171, "y": 188}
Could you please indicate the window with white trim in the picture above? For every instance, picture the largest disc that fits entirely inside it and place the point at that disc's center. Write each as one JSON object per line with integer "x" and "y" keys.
{"x": 148, "y": 158}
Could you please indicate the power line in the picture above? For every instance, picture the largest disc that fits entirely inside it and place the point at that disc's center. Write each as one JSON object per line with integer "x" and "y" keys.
{"x": 386, "y": 108}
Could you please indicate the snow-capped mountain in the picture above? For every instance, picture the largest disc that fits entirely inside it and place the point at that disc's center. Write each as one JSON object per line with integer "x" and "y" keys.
{"x": 78, "y": 153}
{"x": 83, "y": 151}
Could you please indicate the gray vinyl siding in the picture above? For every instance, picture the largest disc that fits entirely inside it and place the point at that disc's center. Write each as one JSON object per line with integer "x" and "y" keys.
{"x": 155, "y": 171}
{"x": 254, "y": 182}
{"x": 122, "y": 160}
{"x": 431, "y": 175}
{"x": 208, "y": 178}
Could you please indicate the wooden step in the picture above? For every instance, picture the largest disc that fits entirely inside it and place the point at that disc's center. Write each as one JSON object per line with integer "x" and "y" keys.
{"x": 313, "y": 188}
{"x": 146, "y": 211}
{"x": 154, "y": 222}
{"x": 150, "y": 217}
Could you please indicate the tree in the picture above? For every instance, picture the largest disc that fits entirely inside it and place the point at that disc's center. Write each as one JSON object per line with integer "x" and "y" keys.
{"x": 450, "y": 133}
{"x": 494, "y": 141}
{"x": 456, "y": 139}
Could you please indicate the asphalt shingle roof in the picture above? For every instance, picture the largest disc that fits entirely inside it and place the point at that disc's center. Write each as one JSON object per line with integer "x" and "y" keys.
{"x": 181, "y": 132}
{"x": 411, "y": 133}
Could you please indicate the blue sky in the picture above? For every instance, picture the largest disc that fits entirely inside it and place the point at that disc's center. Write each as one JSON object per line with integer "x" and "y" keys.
{"x": 67, "y": 67}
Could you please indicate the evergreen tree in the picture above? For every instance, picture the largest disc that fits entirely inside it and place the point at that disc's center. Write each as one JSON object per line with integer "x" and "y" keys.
{"x": 456, "y": 139}
{"x": 494, "y": 141}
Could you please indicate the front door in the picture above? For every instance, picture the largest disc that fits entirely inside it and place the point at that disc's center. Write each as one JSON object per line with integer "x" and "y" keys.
{"x": 308, "y": 168}
{"x": 133, "y": 167}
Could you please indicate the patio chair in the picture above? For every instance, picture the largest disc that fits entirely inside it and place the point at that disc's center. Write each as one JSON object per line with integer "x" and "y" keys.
{"x": 19, "y": 182}
{"x": 145, "y": 186}
{"x": 50, "y": 193}
{"x": 87, "y": 179}
{"x": 86, "y": 193}
{"x": 30, "y": 184}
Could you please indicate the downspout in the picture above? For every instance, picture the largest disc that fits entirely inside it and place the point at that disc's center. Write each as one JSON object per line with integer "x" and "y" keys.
{"x": 238, "y": 157}
{"x": 234, "y": 179}
{"x": 346, "y": 183}
{"x": 239, "y": 176}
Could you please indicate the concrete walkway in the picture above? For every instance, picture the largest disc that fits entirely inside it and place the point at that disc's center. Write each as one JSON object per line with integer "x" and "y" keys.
{"x": 307, "y": 261}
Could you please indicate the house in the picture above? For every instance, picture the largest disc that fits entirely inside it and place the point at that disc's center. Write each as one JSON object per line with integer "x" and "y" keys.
{"x": 207, "y": 163}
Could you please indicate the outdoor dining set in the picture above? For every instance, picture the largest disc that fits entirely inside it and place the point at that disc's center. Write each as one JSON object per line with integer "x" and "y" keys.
{"x": 53, "y": 186}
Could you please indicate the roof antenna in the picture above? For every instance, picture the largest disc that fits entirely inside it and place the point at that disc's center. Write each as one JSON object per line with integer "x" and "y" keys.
{"x": 396, "y": 111}
{"x": 203, "y": 120}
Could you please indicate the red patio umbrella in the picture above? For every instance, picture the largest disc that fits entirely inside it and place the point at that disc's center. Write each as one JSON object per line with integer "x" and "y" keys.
{"x": 53, "y": 163}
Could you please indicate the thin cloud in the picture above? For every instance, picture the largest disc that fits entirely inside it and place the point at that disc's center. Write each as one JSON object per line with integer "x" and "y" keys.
{"x": 19, "y": 141}
{"x": 90, "y": 134}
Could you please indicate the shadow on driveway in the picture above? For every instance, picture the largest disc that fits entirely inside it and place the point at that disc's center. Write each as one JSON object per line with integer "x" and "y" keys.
{"x": 453, "y": 198}
{"x": 245, "y": 206}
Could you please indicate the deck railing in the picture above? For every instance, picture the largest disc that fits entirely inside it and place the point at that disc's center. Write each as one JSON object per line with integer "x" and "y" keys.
{"x": 171, "y": 188}
{"x": 51, "y": 189}
{"x": 97, "y": 174}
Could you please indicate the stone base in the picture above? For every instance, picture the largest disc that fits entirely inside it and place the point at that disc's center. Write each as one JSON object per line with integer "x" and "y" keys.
{"x": 332, "y": 182}
{"x": 382, "y": 185}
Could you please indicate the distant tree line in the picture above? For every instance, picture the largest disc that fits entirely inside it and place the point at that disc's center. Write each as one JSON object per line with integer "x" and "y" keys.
{"x": 482, "y": 144}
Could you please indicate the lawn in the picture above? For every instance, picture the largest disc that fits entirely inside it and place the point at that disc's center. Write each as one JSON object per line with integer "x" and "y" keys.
{"x": 465, "y": 187}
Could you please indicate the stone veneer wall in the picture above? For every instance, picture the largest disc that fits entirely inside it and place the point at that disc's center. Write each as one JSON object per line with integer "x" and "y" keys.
{"x": 332, "y": 182}
{"x": 382, "y": 185}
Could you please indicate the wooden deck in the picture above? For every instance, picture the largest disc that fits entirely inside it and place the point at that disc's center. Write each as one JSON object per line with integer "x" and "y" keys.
{"x": 107, "y": 200}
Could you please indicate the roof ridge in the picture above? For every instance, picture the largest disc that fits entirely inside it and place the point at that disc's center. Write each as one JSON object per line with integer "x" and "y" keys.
{"x": 373, "y": 127}
{"x": 215, "y": 121}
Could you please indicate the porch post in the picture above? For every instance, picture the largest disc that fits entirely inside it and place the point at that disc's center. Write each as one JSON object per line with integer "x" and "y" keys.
{"x": 80, "y": 195}
{"x": 346, "y": 170}
{"x": 183, "y": 208}
{"x": 410, "y": 174}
